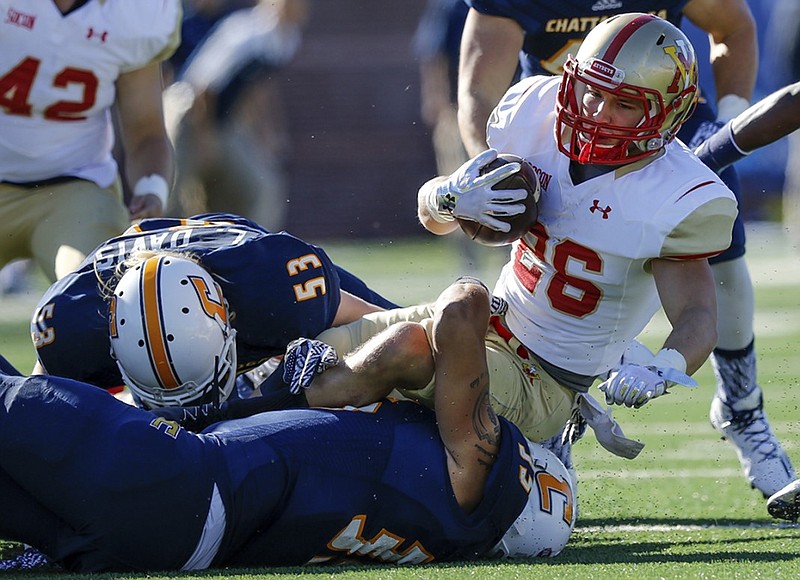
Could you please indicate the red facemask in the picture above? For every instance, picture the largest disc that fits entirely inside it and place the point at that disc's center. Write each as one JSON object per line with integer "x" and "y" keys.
{"x": 585, "y": 136}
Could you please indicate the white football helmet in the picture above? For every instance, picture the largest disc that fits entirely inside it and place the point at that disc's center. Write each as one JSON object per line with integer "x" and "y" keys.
{"x": 170, "y": 333}
{"x": 642, "y": 58}
{"x": 547, "y": 520}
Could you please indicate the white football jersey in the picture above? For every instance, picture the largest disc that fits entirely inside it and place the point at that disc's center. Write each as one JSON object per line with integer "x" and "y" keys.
{"x": 58, "y": 74}
{"x": 578, "y": 285}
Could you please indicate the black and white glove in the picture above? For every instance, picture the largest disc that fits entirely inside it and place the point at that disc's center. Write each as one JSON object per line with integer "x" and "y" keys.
{"x": 633, "y": 385}
{"x": 469, "y": 195}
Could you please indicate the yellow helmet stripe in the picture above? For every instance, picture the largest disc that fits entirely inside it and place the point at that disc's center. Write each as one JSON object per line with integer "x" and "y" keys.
{"x": 153, "y": 326}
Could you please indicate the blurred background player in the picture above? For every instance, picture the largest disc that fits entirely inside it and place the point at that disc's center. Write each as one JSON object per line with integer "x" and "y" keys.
{"x": 458, "y": 484}
{"x": 199, "y": 17}
{"x": 232, "y": 140}
{"x": 783, "y": 56}
{"x": 436, "y": 44}
{"x": 272, "y": 288}
{"x": 64, "y": 66}
{"x": 504, "y": 38}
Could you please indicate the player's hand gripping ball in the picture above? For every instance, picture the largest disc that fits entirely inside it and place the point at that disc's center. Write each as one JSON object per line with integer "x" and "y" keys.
{"x": 520, "y": 223}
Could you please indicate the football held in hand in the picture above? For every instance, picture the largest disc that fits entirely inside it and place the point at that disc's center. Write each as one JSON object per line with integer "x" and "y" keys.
{"x": 525, "y": 179}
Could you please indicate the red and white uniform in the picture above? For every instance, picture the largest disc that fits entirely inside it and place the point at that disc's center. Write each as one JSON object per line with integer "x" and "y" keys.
{"x": 57, "y": 81}
{"x": 578, "y": 285}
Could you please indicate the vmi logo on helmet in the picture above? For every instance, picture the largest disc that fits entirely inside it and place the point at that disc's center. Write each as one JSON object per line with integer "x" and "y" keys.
{"x": 678, "y": 53}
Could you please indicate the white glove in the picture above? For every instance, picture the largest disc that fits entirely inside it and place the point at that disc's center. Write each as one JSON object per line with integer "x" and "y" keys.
{"x": 634, "y": 385}
{"x": 607, "y": 430}
{"x": 469, "y": 195}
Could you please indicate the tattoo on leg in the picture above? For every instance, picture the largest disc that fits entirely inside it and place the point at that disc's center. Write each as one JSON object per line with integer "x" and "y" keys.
{"x": 486, "y": 423}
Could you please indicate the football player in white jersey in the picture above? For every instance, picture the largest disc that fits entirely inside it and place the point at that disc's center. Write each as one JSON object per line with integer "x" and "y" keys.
{"x": 534, "y": 36}
{"x": 65, "y": 65}
{"x": 627, "y": 219}
{"x": 628, "y": 216}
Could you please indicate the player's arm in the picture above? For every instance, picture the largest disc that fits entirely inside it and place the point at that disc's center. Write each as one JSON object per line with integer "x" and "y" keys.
{"x": 196, "y": 418}
{"x": 148, "y": 152}
{"x": 733, "y": 50}
{"x": 489, "y": 57}
{"x": 352, "y": 308}
{"x": 770, "y": 119}
{"x": 687, "y": 292}
{"x": 400, "y": 357}
{"x": 686, "y": 289}
{"x": 467, "y": 423}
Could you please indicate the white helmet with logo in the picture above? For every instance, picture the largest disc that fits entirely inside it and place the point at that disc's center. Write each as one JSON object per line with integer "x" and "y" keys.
{"x": 547, "y": 520}
{"x": 170, "y": 333}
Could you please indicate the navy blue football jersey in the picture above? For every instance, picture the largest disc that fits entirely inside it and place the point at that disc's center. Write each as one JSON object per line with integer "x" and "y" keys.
{"x": 369, "y": 483}
{"x": 278, "y": 288}
{"x": 555, "y": 29}
{"x": 119, "y": 488}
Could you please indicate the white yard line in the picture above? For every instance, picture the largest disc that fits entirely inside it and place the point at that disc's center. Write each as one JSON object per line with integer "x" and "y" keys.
{"x": 637, "y": 528}
{"x": 658, "y": 473}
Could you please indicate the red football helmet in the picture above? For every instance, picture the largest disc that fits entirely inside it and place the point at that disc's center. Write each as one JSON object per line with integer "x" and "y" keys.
{"x": 638, "y": 57}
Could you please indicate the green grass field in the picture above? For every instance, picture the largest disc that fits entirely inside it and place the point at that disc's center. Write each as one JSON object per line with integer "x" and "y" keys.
{"x": 680, "y": 510}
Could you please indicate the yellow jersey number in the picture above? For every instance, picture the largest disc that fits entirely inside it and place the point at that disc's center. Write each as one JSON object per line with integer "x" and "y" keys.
{"x": 313, "y": 288}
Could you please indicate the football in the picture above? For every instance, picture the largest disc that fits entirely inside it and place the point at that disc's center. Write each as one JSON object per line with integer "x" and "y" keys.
{"x": 525, "y": 179}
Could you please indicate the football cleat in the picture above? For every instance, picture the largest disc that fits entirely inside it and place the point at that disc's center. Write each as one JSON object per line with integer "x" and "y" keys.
{"x": 305, "y": 359}
{"x": 764, "y": 462}
{"x": 785, "y": 504}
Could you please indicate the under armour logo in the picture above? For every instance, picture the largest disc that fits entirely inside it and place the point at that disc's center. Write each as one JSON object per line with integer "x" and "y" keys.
{"x": 93, "y": 34}
{"x": 596, "y": 207}
{"x": 448, "y": 203}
